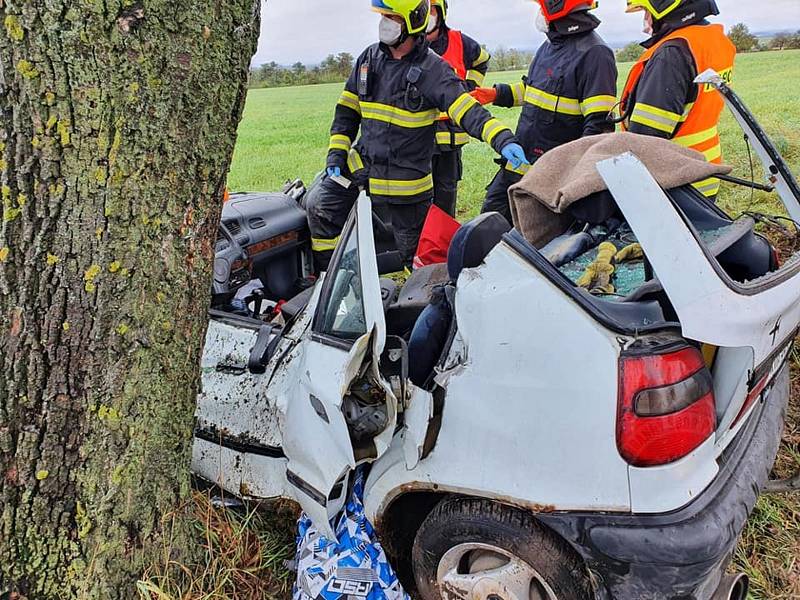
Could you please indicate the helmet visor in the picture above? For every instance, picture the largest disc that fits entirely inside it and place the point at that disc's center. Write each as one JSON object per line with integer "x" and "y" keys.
{"x": 418, "y": 17}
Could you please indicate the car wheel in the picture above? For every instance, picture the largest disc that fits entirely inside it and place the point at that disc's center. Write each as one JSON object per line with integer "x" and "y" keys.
{"x": 479, "y": 550}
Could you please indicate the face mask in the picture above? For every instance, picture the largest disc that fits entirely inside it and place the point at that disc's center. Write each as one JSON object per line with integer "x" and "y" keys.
{"x": 541, "y": 23}
{"x": 389, "y": 31}
{"x": 433, "y": 22}
{"x": 648, "y": 24}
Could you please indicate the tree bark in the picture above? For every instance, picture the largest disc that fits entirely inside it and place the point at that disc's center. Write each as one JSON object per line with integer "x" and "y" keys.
{"x": 117, "y": 124}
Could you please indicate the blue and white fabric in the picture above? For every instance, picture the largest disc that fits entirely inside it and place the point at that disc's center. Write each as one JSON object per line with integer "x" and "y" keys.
{"x": 354, "y": 566}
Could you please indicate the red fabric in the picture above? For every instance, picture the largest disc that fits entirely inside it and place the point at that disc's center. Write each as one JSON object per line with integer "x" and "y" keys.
{"x": 434, "y": 242}
{"x": 455, "y": 53}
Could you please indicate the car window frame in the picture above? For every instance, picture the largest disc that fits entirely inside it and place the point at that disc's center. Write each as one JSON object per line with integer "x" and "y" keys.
{"x": 350, "y": 228}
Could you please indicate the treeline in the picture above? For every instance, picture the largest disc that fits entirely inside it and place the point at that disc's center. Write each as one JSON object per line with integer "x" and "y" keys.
{"x": 335, "y": 68}
{"x": 510, "y": 59}
{"x": 740, "y": 35}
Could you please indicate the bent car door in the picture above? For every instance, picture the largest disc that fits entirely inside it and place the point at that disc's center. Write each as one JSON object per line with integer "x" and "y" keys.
{"x": 338, "y": 410}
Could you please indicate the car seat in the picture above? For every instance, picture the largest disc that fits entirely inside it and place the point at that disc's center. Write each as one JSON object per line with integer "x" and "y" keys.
{"x": 435, "y": 327}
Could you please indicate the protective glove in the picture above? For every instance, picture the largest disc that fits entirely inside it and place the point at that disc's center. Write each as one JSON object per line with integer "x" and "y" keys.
{"x": 484, "y": 95}
{"x": 597, "y": 277}
{"x": 632, "y": 252}
{"x": 514, "y": 154}
{"x": 334, "y": 171}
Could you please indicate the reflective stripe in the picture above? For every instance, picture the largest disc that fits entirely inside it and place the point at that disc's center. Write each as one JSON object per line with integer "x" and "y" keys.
{"x": 491, "y": 129}
{"x": 476, "y": 76}
{"x": 708, "y": 187}
{"x": 324, "y": 245}
{"x": 556, "y": 104}
{"x": 654, "y": 117}
{"x": 712, "y": 154}
{"x": 598, "y": 104}
{"x": 482, "y": 58}
{"x": 460, "y": 107}
{"x": 354, "y": 162}
{"x": 518, "y": 91}
{"x": 350, "y": 100}
{"x": 397, "y": 187}
{"x": 444, "y": 138}
{"x": 397, "y": 116}
{"x": 339, "y": 142}
{"x": 686, "y": 111}
{"x": 521, "y": 171}
{"x": 695, "y": 139}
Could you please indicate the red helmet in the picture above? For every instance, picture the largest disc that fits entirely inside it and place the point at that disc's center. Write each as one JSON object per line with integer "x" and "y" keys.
{"x": 556, "y": 9}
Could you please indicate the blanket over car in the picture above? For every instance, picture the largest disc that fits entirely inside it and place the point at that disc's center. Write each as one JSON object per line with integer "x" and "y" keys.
{"x": 568, "y": 174}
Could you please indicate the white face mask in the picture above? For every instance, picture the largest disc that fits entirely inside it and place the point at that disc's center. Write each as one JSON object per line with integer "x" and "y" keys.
{"x": 433, "y": 22}
{"x": 389, "y": 31}
{"x": 541, "y": 23}
{"x": 647, "y": 26}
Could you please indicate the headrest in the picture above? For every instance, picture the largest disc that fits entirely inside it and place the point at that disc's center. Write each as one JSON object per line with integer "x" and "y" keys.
{"x": 473, "y": 242}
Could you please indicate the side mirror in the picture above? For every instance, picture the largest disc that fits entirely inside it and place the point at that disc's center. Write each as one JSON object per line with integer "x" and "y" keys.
{"x": 264, "y": 348}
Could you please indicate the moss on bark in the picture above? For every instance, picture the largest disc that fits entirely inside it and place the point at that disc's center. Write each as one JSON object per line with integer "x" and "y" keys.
{"x": 117, "y": 123}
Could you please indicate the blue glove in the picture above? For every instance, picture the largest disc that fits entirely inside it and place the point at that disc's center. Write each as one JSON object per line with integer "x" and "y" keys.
{"x": 514, "y": 154}
{"x": 336, "y": 171}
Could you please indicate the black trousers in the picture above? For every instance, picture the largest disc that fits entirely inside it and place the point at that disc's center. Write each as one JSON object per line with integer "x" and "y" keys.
{"x": 448, "y": 169}
{"x": 497, "y": 193}
{"x": 328, "y": 206}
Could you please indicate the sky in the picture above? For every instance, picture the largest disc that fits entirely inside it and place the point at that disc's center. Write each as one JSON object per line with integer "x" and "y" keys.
{"x": 309, "y": 30}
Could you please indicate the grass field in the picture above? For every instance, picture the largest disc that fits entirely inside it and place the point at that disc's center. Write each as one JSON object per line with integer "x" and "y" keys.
{"x": 284, "y": 135}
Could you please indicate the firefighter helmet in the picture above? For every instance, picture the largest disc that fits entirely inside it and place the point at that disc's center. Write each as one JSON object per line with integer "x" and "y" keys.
{"x": 414, "y": 12}
{"x": 657, "y": 8}
{"x": 556, "y": 9}
{"x": 442, "y": 4}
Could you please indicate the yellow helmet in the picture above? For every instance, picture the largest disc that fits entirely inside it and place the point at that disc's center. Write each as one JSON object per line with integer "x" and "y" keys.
{"x": 414, "y": 12}
{"x": 442, "y": 4}
{"x": 658, "y": 8}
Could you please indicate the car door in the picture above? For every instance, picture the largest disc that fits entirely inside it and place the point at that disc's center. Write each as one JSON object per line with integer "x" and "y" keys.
{"x": 343, "y": 345}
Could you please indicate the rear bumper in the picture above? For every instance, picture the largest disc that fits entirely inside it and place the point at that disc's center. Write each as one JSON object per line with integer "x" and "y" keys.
{"x": 682, "y": 555}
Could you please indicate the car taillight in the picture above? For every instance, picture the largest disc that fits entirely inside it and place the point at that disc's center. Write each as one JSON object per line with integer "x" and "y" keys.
{"x": 665, "y": 407}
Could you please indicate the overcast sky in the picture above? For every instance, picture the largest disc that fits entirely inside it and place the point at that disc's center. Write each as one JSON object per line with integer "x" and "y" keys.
{"x": 309, "y": 30}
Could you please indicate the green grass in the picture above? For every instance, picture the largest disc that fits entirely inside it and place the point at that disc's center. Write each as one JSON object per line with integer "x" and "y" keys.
{"x": 284, "y": 135}
{"x": 284, "y": 132}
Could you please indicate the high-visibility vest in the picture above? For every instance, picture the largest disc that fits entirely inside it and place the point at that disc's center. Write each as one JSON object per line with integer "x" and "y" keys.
{"x": 711, "y": 49}
{"x": 455, "y": 53}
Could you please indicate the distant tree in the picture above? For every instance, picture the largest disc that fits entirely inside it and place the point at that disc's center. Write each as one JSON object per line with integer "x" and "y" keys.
{"x": 629, "y": 53}
{"x": 794, "y": 42}
{"x": 742, "y": 38}
{"x": 344, "y": 63}
{"x": 780, "y": 41}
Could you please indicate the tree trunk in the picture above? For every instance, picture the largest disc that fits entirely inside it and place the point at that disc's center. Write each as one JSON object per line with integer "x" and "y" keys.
{"x": 117, "y": 124}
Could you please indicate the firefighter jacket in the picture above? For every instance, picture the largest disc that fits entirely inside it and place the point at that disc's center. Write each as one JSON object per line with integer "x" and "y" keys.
{"x": 569, "y": 90}
{"x": 470, "y": 62}
{"x": 395, "y": 104}
{"x": 661, "y": 98}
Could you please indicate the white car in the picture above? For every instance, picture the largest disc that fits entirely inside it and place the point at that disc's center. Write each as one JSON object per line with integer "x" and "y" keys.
{"x": 526, "y": 439}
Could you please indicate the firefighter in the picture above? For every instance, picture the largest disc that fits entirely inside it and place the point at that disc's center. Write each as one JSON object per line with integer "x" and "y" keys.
{"x": 470, "y": 62}
{"x": 568, "y": 93}
{"x": 660, "y": 97}
{"x": 395, "y": 94}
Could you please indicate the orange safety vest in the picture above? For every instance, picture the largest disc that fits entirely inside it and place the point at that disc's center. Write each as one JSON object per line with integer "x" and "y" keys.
{"x": 455, "y": 53}
{"x": 711, "y": 49}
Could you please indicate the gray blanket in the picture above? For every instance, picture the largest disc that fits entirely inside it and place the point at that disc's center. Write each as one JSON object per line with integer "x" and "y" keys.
{"x": 567, "y": 174}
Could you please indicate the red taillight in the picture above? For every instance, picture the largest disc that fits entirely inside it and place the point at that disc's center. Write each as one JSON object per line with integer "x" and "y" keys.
{"x": 666, "y": 407}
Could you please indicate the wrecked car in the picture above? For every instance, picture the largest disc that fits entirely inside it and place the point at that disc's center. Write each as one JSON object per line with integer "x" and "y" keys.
{"x": 527, "y": 438}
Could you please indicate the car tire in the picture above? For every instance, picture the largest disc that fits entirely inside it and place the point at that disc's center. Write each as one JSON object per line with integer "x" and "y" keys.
{"x": 465, "y": 542}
